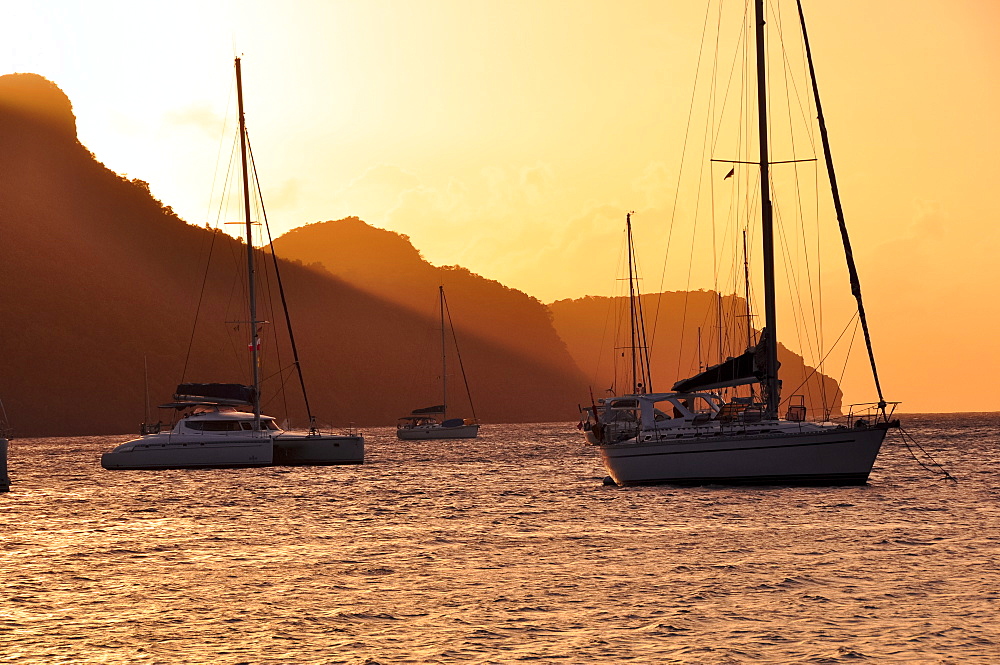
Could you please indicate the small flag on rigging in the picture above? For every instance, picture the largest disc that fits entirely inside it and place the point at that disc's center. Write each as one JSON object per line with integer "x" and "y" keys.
{"x": 731, "y": 172}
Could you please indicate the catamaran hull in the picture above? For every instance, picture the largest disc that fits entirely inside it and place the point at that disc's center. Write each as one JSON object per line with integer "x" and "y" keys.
{"x": 837, "y": 457}
{"x": 318, "y": 450}
{"x": 163, "y": 452}
{"x": 437, "y": 432}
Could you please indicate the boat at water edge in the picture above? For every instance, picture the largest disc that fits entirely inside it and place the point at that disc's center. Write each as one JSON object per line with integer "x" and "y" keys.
{"x": 696, "y": 438}
{"x": 432, "y": 422}
{"x": 691, "y": 435}
{"x": 221, "y": 425}
{"x": 217, "y": 430}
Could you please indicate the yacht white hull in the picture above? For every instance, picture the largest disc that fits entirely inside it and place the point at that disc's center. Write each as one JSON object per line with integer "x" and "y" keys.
{"x": 841, "y": 456}
{"x": 168, "y": 451}
{"x": 4, "y": 478}
{"x": 291, "y": 449}
{"x": 430, "y": 432}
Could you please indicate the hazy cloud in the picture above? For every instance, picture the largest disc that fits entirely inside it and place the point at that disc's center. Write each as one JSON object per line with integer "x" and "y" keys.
{"x": 386, "y": 176}
{"x": 199, "y": 116}
{"x": 536, "y": 181}
{"x": 654, "y": 186}
{"x": 287, "y": 195}
{"x": 374, "y": 193}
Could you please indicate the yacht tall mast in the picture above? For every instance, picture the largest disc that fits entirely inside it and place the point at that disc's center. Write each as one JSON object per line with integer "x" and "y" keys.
{"x": 251, "y": 274}
{"x": 771, "y": 385}
{"x": 746, "y": 290}
{"x": 444, "y": 357}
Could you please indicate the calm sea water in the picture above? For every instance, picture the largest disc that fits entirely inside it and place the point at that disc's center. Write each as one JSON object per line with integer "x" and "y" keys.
{"x": 503, "y": 549}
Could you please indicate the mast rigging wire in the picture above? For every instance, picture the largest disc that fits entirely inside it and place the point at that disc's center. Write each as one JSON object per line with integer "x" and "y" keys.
{"x": 284, "y": 304}
{"x": 458, "y": 353}
{"x": 851, "y": 267}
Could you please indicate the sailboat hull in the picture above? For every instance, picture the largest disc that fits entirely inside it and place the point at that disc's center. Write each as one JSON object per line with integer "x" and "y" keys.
{"x": 431, "y": 432}
{"x": 291, "y": 449}
{"x": 166, "y": 451}
{"x": 840, "y": 456}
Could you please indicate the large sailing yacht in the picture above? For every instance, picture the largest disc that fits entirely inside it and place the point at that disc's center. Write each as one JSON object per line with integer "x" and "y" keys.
{"x": 692, "y": 435}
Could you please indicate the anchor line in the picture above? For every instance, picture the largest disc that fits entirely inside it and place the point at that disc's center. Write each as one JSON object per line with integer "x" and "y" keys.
{"x": 909, "y": 440}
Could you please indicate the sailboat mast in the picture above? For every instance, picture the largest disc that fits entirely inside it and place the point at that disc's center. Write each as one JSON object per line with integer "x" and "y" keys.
{"x": 746, "y": 289}
{"x": 771, "y": 385}
{"x": 444, "y": 357}
{"x": 251, "y": 275}
{"x": 718, "y": 320}
{"x": 746, "y": 296}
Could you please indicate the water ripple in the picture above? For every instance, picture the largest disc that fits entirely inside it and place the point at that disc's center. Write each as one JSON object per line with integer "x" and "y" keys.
{"x": 502, "y": 549}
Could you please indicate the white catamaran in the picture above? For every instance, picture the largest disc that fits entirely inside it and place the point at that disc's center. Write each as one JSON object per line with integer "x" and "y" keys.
{"x": 432, "y": 422}
{"x": 692, "y": 435}
{"x": 221, "y": 425}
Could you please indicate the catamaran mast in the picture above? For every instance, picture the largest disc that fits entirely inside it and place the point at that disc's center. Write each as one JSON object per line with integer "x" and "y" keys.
{"x": 771, "y": 384}
{"x": 251, "y": 275}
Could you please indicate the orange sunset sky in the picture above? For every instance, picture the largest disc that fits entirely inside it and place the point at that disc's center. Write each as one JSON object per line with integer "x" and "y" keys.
{"x": 511, "y": 137}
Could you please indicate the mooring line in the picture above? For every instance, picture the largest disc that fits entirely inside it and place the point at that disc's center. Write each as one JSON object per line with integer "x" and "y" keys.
{"x": 908, "y": 440}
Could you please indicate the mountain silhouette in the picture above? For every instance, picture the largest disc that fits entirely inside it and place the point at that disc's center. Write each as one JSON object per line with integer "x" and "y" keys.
{"x": 386, "y": 264}
{"x": 101, "y": 284}
{"x": 678, "y": 325}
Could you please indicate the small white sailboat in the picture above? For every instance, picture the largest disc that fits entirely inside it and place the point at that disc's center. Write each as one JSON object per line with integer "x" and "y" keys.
{"x": 692, "y": 435}
{"x": 222, "y": 426}
{"x": 432, "y": 422}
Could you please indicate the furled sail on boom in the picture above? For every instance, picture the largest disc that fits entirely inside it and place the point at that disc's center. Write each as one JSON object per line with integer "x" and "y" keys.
{"x": 749, "y": 367}
{"x": 732, "y": 372}
{"x": 429, "y": 409}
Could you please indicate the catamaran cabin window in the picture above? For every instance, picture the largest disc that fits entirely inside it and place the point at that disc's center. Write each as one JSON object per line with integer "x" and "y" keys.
{"x": 214, "y": 425}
